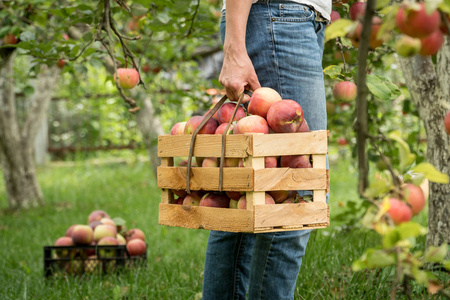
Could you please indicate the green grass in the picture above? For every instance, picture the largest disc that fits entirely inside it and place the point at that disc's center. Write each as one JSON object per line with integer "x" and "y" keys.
{"x": 175, "y": 255}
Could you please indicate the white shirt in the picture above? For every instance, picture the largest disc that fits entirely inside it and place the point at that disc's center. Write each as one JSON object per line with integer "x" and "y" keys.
{"x": 322, "y": 6}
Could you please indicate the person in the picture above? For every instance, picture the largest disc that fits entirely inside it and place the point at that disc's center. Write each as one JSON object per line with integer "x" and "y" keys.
{"x": 277, "y": 44}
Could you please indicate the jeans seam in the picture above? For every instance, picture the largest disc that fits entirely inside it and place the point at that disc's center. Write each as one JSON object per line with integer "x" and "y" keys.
{"x": 265, "y": 267}
{"x": 274, "y": 55}
{"x": 236, "y": 272}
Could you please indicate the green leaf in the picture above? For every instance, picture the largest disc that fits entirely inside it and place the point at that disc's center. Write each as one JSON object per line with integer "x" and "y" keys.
{"x": 431, "y": 173}
{"x": 445, "y": 6}
{"x": 402, "y": 232}
{"x": 119, "y": 221}
{"x": 338, "y": 28}
{"x": 446, "y": 264}
{"x": 374, "y": 259}
{"x": 382, "y": 88}
{"x": 378, "y": 188}
{"x": 27, "y": 36}
{"x": 436, "y": 254}
{"x": 406, "y": 157}
{"x": 332, "y": 71}
{"x": 382, "y": 3}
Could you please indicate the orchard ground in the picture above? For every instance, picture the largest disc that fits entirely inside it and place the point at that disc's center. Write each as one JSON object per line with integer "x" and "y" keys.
{"x": 126, "y": 188}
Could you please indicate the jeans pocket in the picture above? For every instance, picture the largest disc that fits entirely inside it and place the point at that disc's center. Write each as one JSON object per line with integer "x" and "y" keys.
{"x": 293, "y": 13}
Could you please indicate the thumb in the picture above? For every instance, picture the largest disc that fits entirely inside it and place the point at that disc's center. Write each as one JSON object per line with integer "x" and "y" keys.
{"x": 253, "y": 83}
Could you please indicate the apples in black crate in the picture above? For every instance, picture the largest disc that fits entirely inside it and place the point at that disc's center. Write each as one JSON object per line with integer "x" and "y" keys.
{"x": 105, "y": 245}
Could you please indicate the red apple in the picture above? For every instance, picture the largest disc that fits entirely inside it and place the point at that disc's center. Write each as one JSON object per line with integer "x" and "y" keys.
{"x": 70, "y": 229}
{"x": 431, "y": 44}
{"x": 279, "y": 196}
{"x": 414, "y": 21}
{"x": 345, "y": 91}
{"x": 146, "y": 68}
{"x": 295, "y": 161}
{"x": 180, "y": 193}
{"x": 222, "y": 128}
{"x": 180, "y": 201}
{"x": 128, "y": 78}
{"x": 61, "y": 63}
{"x": 192, "y": 124}
{"x": 64, "y": 242}
{"x": 303, "y": 127}
{"x": 261, "y": 100}
{"x": 193, "y": 199}
{"x": 136, "y": 247}
{"x": 226, "y": 111}
{"x": 415, "y": 197}
{"x": 357, "y": 10}
{"x": 234, "y": 195}
{"x": 407, "y": 46}
{"x": 94, "y": 224}
{"x": 178, "y": 128}
{"x": 334, "y": 16}
{"x": 135, "y": 233}
{"x": 342, "y": 141}
{"x": 447, "y": 122}
{"x": 97, "y": 215}
{"x": 10, "y": 39}
{"x": 231, "y": 162}
{"x": 399, "y": 211}
{"x": 107, "y": 221}
{"x": 215, "y": 200}
{"x": 82, "y": 235}
{"x": 251, "y": 124}
{"x": 285, "y": 116}
{"x": 108, "y": 240}
{"x": 270, "y": 162}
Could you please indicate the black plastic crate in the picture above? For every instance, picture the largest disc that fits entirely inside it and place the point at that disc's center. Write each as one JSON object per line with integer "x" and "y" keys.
{"x": 79, "y": 260}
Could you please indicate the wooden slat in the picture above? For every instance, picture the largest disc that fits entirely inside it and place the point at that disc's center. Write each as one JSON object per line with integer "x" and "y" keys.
{"x": 255, "y": 198}
{"x": 234, "y": 179}
{"x": 313, "y": 142}
{"x": 320, "y": 161}
{"x": 206, "y": 145}
{"x": 277, "y": 215}
{"x": 196, "y": 217}
{"x": 273, "y": 179}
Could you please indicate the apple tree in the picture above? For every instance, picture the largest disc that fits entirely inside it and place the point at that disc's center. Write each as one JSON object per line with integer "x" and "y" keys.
{"x": 383, "y": 36}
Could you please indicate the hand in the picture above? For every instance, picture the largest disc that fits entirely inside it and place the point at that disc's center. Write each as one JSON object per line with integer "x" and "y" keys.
{"x": 237, "y": 73}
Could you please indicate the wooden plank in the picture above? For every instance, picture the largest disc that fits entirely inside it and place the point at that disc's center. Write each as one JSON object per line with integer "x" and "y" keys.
{"x": 255, "y": 198}
{"x": 211, "y": 218}
{"x": 277, "y": 215}
{"x": 234, "y": 179}
{"x": 206, "y": 145}
{"x": 290, "y": 228}
{"x": 273, "y": 179}
{"x": 313, "y": 142}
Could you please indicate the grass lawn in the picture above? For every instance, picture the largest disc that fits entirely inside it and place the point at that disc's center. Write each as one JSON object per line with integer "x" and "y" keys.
{"x": 175, "y": 255}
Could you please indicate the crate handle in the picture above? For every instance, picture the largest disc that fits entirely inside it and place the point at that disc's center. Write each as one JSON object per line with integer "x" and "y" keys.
{"x": 200, "y": 126}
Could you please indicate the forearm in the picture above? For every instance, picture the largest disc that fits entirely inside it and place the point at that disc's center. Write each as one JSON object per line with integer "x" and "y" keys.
{"x": 236, "y": 24}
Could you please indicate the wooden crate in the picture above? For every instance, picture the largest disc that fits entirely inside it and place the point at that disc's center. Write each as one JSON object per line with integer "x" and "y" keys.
{"x": 253, "y": 179}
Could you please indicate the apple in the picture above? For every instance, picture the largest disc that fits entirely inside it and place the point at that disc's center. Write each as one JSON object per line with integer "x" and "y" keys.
{"x": 180, "y": 201}
{"x": 192, "y": 124}
{"x": 342, "y": 141}
{"x": 231, "y": 162}
{"x": 261, "y": 100}
{"x": 399, "y": 211}
{"x": 136, "y": 247}
{"x": 270, "y": 162}
{"x": 146, "y": 68}
{"x": 447, "y": 122}
{"x": 221, "y": 128}
{"x": 135, "y": 233}
{"x": 82, "y": 235}
{"x": 64, "y": 241}
{"x": 128, "y": 78}
{"x": 94, "y": 224}
{"x": 374, "y": 41}
{"x": 180, "y": 193}
{"x": 193, "y": 199}
{"x": 70, "y": 229}
{"x": 279, "y": 196}
{"x": 303, "y": 127}
{"x": 415, "y": 197}
{"x": 107, "y": 221}
{"x": 431, "y": 44}
{"x": 407, "y": 46}
{"x": 10, "y": 39}
{"x": 285, "y": 116}
{"x": 97, "y": 215}
{"x": 234, "y": 203}
{"x": 215, "y": 200}
{"x": 210, "y": 162}
{"x": 226, "y": 111}
{"x": 107, "y": 241}
{"x": 345, "y": 91}
{"x": 61, "y": 63}
{"x": 251, "y": 124}
{"x": 295, "y": 161}
{"x": 104, "y": 230}
{"x": 357, "y": 10}
{"x": 334, "y": 16}
{"x": 414, "y": 20}
{"x": 178, "y": 128}
{"x": 234, "y": 195}
{"x": 242, "y": 203}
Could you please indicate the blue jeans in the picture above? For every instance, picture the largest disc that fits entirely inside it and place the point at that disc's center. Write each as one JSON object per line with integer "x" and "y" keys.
{"x": 285, "y": 44}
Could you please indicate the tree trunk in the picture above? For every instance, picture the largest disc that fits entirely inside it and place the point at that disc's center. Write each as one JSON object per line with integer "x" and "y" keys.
{"x": 430, "y": 90}
{"x": 17, "y": 142}
{"x": 150, "y": 127}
